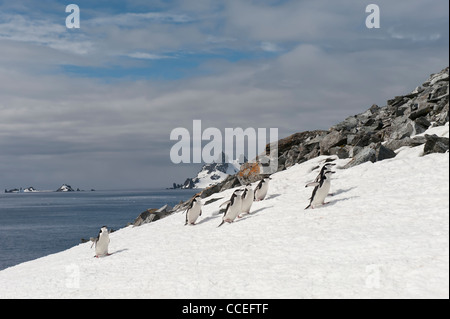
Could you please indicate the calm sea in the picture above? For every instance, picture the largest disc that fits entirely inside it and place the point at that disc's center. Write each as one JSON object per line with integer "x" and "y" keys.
{"x": 33, "y": 225}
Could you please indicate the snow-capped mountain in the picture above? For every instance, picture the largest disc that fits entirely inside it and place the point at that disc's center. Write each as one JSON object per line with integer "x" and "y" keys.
{"x": 65, "y": 188}
{"x": 211, "y": 174}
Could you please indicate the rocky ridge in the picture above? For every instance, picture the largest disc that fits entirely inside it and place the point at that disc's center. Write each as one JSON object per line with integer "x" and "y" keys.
{"x": 373, "y": 136}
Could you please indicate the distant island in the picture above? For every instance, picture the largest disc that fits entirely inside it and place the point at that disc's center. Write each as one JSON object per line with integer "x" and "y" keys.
{"x": 31, "y": 189}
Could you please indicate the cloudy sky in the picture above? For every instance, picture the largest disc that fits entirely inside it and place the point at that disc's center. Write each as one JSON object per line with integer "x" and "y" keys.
{"x": 94, "y": 107}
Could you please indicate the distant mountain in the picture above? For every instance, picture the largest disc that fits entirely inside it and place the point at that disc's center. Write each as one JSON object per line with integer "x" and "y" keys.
{"x": 22, "y": 190}
{"x": 211, "y": 174}
{"x": 65, "y": 188}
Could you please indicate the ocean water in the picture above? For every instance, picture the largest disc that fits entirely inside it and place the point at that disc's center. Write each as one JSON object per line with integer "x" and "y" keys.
{"x": 33, "y": 225}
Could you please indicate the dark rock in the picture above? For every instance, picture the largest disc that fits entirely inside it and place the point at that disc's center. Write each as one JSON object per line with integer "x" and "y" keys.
{"x": 435, "y": 144}
{"x": 153, "y": 214}
{"x": 340, "y": 151}
{"x": 286, "y": 143}
{"x": 422, "y": 121}
{"x": 420, "y": 112}
{"x": 348, "y": 124}
{"x": 230, "y": 182}
{"x": 374, "y": 108}
{"x": 407, "y": 141}
{"x": 372, "y": 153}
{"x": 365, "y": 155}
{"x": 145, "y": 217}
{"x": 365, "y": 138}
{"x": 383, "y": 153}
{"x": 401, "y": 128}
{"x": 335, "y": 138}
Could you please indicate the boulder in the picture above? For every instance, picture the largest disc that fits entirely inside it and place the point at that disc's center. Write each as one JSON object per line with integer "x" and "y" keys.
{"x": 249, "y": 173}
{"x": 373, "y": 153}
{"x": 145, "y": 217}
{"x": 382, "y": 153}
{"x": 435, "y": 144}
{"x": 335, "y": 138}
{"x": 364, "y": 155}
{"x": 407, "y": 141}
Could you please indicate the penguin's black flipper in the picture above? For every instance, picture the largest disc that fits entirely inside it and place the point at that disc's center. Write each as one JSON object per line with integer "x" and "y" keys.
{"x": 223, "y": 221}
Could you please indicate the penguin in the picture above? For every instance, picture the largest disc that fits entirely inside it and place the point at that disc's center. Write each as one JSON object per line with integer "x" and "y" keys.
{"x": 261, "y": 189}
{"x": 233, "y": 207}
{"x": 321, "y": 188}
{"x": 247, "y": 199}
{"x": 102, "y": 242}
{"x": 324, "y": 168}
{"x": 194, "y": 210}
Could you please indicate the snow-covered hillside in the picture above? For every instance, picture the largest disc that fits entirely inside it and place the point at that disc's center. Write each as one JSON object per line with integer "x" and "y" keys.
{"x": 384, "y": 234}
{"x": 211, "y": 174}
{"x": 219, "y": 172}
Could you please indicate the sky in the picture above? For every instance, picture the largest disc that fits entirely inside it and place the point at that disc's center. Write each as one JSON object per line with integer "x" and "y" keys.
{"x": 94, "y": 106}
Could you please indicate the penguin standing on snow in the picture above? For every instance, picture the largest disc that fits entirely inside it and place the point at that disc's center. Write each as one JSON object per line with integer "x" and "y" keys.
{"x": 233, "y": 207}
{"x": 102, "y": 242}
{"x": 261, "y": 189}
{"x": 321, "y": 188}
{"x": 247, "y": 199}
{"x": 194, "y": 210}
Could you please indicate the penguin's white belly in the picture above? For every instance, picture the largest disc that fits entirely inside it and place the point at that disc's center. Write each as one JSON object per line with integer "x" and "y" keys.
{"x": 193, "y": 213}
{"x": 247, "y": 202}
{"x": 101, "y": 248}
{"x": 233, "y": 211}
{"x": 261, "y": 193}
{"x": 321, "y": 194}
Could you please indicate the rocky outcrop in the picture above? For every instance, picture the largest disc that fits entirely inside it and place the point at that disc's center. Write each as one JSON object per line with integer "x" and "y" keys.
{"x": 372, "y": 136}
{"x": 375, "y": 134}
{"x": 151, "y": 215}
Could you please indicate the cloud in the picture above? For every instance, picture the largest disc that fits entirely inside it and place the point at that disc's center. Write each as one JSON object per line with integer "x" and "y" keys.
{"x": 148, "y": 56}
{"x": 286, "y": 64}
{"x": 135, "y": 19}
{"x": 19, "y": 28}
{"x": 270, "y": 47}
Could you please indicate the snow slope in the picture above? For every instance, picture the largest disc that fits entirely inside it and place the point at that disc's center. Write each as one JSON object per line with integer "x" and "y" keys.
{"x": 384, "y": 234}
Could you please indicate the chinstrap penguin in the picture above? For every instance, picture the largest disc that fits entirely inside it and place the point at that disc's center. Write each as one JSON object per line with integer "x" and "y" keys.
{"x": 102, "y": 242}
{"x": 194, "y": 210}
{"x": 261, "y": 189}
{"x": 233, "y": 207}
{"x": 325, "y": 167}
{"x": 321, "y": 188}
{"x": 247, "y": 199}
